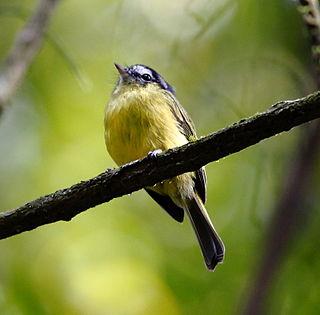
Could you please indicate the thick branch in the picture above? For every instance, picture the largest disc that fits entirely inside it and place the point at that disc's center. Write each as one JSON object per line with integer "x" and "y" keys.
{"x": 25, "y": 49}
{"x": 65, "y": 204}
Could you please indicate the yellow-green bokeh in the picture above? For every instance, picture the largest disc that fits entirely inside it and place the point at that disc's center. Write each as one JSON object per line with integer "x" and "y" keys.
{"x": 227, "y": 60}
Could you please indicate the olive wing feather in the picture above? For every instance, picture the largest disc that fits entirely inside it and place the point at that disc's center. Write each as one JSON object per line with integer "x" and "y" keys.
{"x": 188, "y": 129}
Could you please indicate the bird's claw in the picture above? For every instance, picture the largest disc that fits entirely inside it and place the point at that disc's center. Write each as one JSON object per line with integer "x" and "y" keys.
{"x": 153, "y": 154}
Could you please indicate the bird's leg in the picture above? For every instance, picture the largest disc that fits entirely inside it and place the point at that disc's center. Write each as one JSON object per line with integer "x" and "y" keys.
{"x": 153, "y": 154}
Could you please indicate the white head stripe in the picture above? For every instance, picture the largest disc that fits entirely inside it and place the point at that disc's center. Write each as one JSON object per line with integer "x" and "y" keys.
{"x": 141, "y": 70}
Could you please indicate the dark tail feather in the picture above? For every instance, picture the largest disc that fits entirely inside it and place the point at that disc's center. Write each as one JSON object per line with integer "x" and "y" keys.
{"x": 211, "y": 245}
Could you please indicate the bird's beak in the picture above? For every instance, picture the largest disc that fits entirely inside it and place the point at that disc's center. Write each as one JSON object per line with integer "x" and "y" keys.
{"x": 122, "y": 71}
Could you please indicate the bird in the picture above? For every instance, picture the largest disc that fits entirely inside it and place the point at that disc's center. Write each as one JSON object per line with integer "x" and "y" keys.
{"x": 144, "y": 117}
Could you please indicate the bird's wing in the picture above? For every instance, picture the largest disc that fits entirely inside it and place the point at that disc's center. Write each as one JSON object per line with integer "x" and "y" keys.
{"x": 188, "y": 129}
{"x": 167, "y": 204}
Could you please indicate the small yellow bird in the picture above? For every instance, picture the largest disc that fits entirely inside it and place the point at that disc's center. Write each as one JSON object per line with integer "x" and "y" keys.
{"x": 142, "y": 117}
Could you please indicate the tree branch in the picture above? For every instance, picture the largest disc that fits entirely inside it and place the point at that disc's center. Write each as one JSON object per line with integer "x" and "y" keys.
{"x": 66, "y": 203}
{"x": 24, "y": 50}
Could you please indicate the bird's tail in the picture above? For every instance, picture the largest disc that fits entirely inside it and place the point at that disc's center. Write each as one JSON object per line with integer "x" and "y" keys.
{"x": 211, "y": 245}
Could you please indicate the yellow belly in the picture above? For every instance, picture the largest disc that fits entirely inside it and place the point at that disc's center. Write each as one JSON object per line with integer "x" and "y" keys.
{"x": 138, "y": 121}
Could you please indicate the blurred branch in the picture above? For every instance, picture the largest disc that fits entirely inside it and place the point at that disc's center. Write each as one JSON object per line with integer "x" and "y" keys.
{"x": 24, "y": 50}
{"x": 69, "y": 61}
{"x": 65, "y": 204}
{"x": 289, "y": 216}
{"x": 311, "y": 15}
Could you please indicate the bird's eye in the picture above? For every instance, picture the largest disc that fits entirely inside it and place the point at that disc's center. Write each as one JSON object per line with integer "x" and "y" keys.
{"x": 146, "y": 77}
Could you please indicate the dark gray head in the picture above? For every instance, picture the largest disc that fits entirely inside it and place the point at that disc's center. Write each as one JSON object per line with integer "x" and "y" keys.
{"x": 143, "y": 75}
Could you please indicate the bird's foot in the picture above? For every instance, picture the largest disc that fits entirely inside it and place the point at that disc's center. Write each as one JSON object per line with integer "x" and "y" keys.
{"x": 153, "y": 154}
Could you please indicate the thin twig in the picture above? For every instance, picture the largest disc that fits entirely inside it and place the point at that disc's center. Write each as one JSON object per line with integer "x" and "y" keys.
{"x": 65, "y": 204}
{"x": 25, "y": 49}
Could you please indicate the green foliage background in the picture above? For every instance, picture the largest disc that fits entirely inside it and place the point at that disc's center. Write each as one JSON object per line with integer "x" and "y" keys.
{"x": 227, "y": 60}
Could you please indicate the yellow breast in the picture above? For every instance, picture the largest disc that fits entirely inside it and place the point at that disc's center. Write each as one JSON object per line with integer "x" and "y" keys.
{"x": 139, "y": 120}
